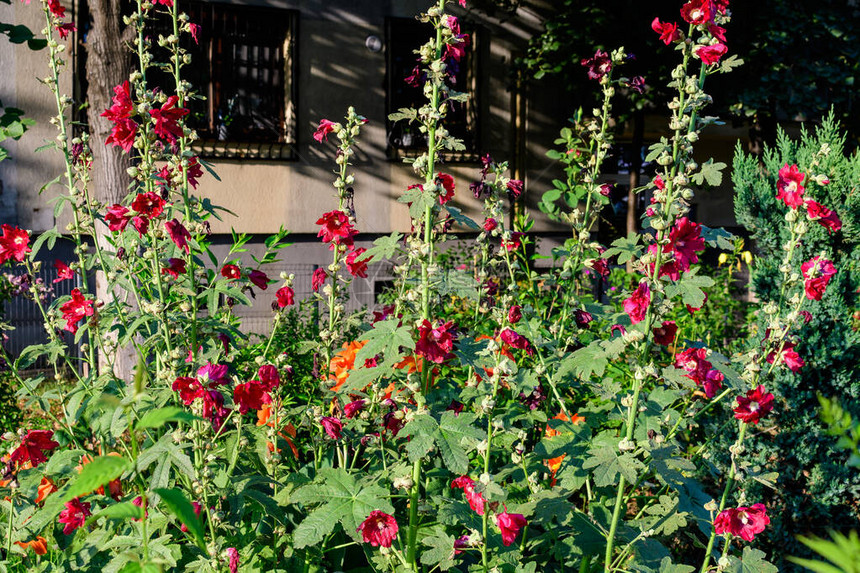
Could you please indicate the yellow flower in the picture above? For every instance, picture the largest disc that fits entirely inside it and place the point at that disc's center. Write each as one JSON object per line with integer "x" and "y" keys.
{"x": 722, "y": 259}
{"x": 747, "y": 257}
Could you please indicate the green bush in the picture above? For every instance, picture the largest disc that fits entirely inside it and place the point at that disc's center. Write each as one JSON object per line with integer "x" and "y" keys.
{"x": 816, "y": 491}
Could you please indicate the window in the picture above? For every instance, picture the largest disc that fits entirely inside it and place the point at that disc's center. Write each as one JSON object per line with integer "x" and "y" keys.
{"x": 242, "y": 69}
{"x": 405, "y": 36}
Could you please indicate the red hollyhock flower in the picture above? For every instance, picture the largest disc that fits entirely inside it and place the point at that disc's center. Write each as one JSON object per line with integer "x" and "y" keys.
{"x": 269, "y": 377}
{"x": 122, "y": 134}
{"x": 636, "y": 306}
{"x": 490, "y": 224}
{"x": 76, "y": 310}
{"x": 711, "y": 55}
{"x": 332, "y": 426}
{"x": 232, "y": 559}
{"x": 214, "y": 375}
{"x": 231, "y": 272}
{"x": 250, "y": 396}
{"x": 122, "y": 105}
{"x": 285, "y": 296}
{"x": 600, "y": 266}
{"x": 379, "y": 529}
{"x": 515, "y": 188}
{"x": 447, "y": 183}
{"x": 668, "y": 31}
{"x": 698, "y": 12}
{"x": 194, "y": 29}
{"x": 357, "y": 267}
{"x": 752, "y": 407}
{"x": 515, "y": 313}
{"x": 637, "y": 84}
{"x": 686, "y": 240}
{"x": 582, "y": 318}
{"x": 826, "y": 217}
{"x": 324, "y": 129}
{"x": 140, "y": 224}
{"x": 435, "y": 344}
{"x": 353, "y": 408}
{"x": 817, "y": 272}
{"x": 743, "y": 522}
{"x": 336, "y": 229}
{"x": 516, "y": 340}
{"x": 63, "y": 271}
{"x": 65, "y": 29}
{"x": 807, "y": 316}
{"x": 178, "y": 234}
{"x": 197, "y": 509}
{"x": 259, "y": 279}
{"x": 32, "y": 448}
{"x": 167, "y": 119}
{"x": 510, "y": 525}
{"x": 14, "y": 244}
{"x": 149, "y": 205}
{"x": 515, "y": 242}
{"x": 117, "y": 218}
{"x": 665, "y": 333}
{"x": 188, "y": 388}
{"x": 788, "y": 186}
{"x": 475, "y": 499}
{"x": 174, "y": 268}
{"x": 195, "y": 171}
{"x": 700, "y": 370}
{"x": 717, "y": 32}
{"x": 75, "y": 515}
{"x": 318, "y": 279}
{"x": 457, "y": 51}
{"x": 789, "y": 356}
{"x": 598, "y": 65}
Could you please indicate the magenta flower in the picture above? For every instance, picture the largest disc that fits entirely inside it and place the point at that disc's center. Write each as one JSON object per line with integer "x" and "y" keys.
{"x": 285, "y": 297}
{"x": 76, "y": 309}
{"x": 325, "y": 127}
{"x": 817, "y": 272}
{"x": 788, "y": 356}
{"x": 14, "y": 244}
{"x": 174, "y": 268}
{"x": 447, "y": 183}
{"x": 752, "y": 407}
{"x": 33, "y": 447}
{"x": 231, "y": 272}
{"x": 743, "y": 522}
{"x": 64, "y": 272}
{"x": 825, "y": 217}
{"x": 435, "y": 343}
{"x": 669, "y": 32}
{"x": 167, "y": 119}
{"x": 332, "y": 426}
{"x": 665, "y": 333}
{"x": 318, "y": 279}
{"x": 353, "y": 408}
{"x": 75, "y": 515}
{"x": 515, "y": 313}
{"x": 117, "y": 218}
{"x": 259, "y": 279}
{"x": 336, "y": 229}
{"x": 699, "y": 12}
{"x": 598, "y": 65}
{"x": 357, "y": 266}
{"x": 510, "y": 525}
{"x": 476, "y": 499}
{"x": 788, "y": 186}
{"x": 516, "y": 340}
{"x": 250, "y": 396}
{"x": 636, "y": 306}
{"x": 178, "y": 234}
{"x": 711, "y": 55}
{"x": 379, "y": 529}
{"x": 232, "y": 559}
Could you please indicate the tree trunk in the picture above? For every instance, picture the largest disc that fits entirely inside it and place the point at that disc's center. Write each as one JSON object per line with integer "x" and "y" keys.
{"x": 108, "y": 64}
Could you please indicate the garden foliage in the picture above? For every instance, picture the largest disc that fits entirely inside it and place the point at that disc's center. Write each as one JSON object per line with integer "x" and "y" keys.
{"x": 494, "y": 417}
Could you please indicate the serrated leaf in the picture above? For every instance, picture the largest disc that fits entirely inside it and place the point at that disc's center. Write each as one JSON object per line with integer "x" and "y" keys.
{"x": 461, "y": 219}
{"x": 440, "y": 549}
{"x": 384, "y": 247}
{"x": 101, "y": 471}
{"x": 626, "y": 248}
{"x": 710, "y": 172}
{"x": 124, "y": 510}
{"x": 457, "y": 437}
{"x": 751, "y": 561}
{"x": 180, "y": 507}
{"x": 585, "y": 362}
{"x": 689, "y": 287}
{"x": 159, "y": 417}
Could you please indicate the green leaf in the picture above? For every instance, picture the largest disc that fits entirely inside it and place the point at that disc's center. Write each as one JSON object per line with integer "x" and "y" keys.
{"x": 124, "y": 510}
{"x": 457, "y": 437}
{"x": 384, "y": 247}
{"x": 440, "y": 550}
{"x": 627, "y": 248}
{"x": 386, "y": 338}
{"x": 666, "y": 566}
{"x": 461, "y": 219}
{"x": 159, "y": 417}
{"x": 101, "y": 471}
{"x": 710, "y": 172}
{"x": 180, "y": 507}
{"x": 752, "y": 561}
{"x": 585, "y": 362}
{"x": 718, "y": 238}
{"x": 690, "y": 288}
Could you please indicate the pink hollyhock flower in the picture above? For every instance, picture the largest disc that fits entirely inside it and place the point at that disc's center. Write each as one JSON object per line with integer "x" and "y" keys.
{"x": 140, "y": 224}
{"x": 174, "y": 268}
{"x": 65, "y": 29}
{"x": 711, "y": 55}
{"x": 582, "y": 318}
{"x": 195, "y": 172}
{"x": 56, "y": 8}
{"x": 231, "y": 272}
{"x": 14, "y": 244}
{"x": 515, "y": 340}
{"x": 457, "y": 50}
{"x": 149, "y": 204}
{"x": 285, "y": 297}
{"x": 788, "y": 355}
{"x": 122, "y": 134}
{"x": 435, "y": 343}
{"x": 194, "y": 29}
{"x": 232, "y": 559}
{"x": 332, "y": 426}
{"x": 357, "y": 267}
{"x": 213, "y": 374}
{"x": 462, "y": 3}
{"x": 32, "y": 447}
{"x": 353, "y": 408}
{"x": 817, "y": 272}
{"x": 668, "y": 31}
{"x": 178, "y": 234}
{"x": 807, "y": 316}
{"x": 336, "y": 229}
{"x": 665, "y": 333}
{"x": 788, "y": 186}
{"x": 318, "y": 279}
{"x": 713, "y": 382}
{"x": 75, "y": 310}
{"x": 138, "y": 501}
{"x": 64, "y": 272}
{"x": 515, "y": 313}
{"x": 167, "y": 119}
{"x": 515, "y": 242}
{"x": 490, "y": 224}
{"x": 325, "y": 127}
{"x": 598, "y": 65}
{"x": 416, "y": 78}
{"x": 743, "y": 522}
{"x": 269, "y": 377}
{"x": 379, "y": 529}
{"x": 447, "y": 183}
{"x": 606, "y": 188}
{"x": 117, "y": 218}
{"x": 476, "y": 499}
{"x": 694, "y": 361}
{"x": 510, "y": 525}
{"x": 717, "y": 32}
{"x": 686, "y": 240}
{"x": 698, "y": 12}
{"x": 250, "y": 396}
{"x": 75, "y": 515}
{"x": 259, "y": 279}
{"x": 515, "y": 188}
{"x": 122, "y": 105}
{"x": 659, "y": 183}
{"x": 619, "y": 327}
{"x": 826, "y": 217}
{"x": 453, "y": 24}
{"x": 636, "y": 306}
{"x": 752, "y": 407}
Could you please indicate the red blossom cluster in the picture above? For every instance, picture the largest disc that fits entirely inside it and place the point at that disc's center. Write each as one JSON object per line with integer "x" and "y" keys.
{"x": 435, "y": 343}
{"x": 694, "y": 361}
{"x": 743, "y": 522}
{"x": 379, "y": 529}
{"x": 14, "y": 244}
{"x": 76, "y": 309}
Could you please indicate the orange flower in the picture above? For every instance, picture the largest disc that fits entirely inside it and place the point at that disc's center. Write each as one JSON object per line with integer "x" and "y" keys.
{"x": 38, "y": 545}
{"x": 555, "y": 463}
{"x": 343, "y": 362}
{"x": 46, "y": 488}
{"x": 264, "y": 416}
